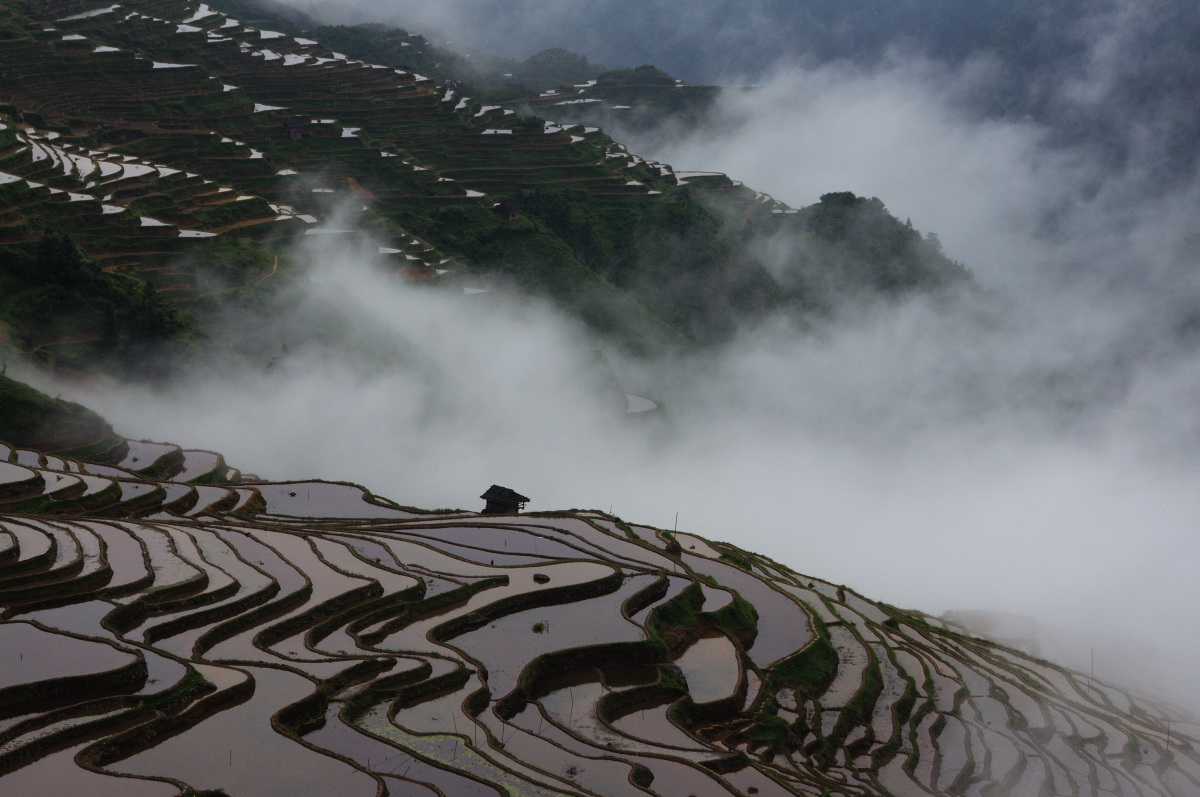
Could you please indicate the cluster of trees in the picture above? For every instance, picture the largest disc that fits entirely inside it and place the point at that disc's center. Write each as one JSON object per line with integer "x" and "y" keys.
{"x": 56, "y": 292}
{"x": 702, "y": 274}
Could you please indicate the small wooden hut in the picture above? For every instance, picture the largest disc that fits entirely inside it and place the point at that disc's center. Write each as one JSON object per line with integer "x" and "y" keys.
{"x": 503, "y": 501}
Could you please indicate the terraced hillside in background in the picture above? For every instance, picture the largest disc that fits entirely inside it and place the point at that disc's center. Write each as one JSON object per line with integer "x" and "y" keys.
{"x": 170, "y": 626}
{"x": 185, "y": 151}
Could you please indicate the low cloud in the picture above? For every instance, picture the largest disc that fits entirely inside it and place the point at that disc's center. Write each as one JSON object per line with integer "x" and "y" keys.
{"x": 1030, "y": 448}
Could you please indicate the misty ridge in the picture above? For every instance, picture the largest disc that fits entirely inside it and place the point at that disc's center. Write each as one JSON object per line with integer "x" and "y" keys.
{"x": 1020, "y": 436}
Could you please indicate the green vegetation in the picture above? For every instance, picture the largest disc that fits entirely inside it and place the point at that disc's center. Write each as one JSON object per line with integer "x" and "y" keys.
{"x": 186, "y": 196}
{"x": 32, "y": 419}
{"x": 810, "y": 670}
{"x": 56, "y": 294}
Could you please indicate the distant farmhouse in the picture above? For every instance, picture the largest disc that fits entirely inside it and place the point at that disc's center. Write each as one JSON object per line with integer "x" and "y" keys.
{"x": 503, "y": 501}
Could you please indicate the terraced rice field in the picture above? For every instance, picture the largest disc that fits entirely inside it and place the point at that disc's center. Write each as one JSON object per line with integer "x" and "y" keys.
{"x": 184, "y": 128}
{"x": 160, "y": 635}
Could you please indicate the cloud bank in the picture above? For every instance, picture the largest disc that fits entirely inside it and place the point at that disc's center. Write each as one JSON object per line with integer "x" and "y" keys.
{"x": 1030, "y": 447}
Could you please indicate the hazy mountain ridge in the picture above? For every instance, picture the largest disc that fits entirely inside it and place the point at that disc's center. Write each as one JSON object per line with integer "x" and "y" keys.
{"x": 428, "y": 170}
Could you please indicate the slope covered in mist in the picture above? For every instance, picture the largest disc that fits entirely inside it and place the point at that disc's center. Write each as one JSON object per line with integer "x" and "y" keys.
{"x": 1027, "y": 447}
{"x": 193, "y": 148}
{"x": 183, "y": 629}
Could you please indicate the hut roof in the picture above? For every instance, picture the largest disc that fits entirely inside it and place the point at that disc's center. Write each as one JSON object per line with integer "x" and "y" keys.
{"x": 503, "y": 495}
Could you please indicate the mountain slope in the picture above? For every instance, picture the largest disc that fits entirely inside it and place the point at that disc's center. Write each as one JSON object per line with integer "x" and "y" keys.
{"x": 445, "y": 652}
{"x": 187, "y": 149}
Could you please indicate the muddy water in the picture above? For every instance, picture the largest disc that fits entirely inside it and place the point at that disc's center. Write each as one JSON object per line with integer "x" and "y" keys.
{"x": 208, "y": 497}
{"x": 600, "y": 775}
{"x": 672, "y": 778}
{"x": 412, "y": 553}
{"x": 710, "y": 665}
{"x": 715, "y": 599}
{"x": 650, "y": 724}
{"x": 451, "y": 751}
{"x": 28, "y": 654}
{"x": 442, "y": 714}
{"x": 124, "y": 554}
{"x": 266, "y": 559}
{"x": 376, "y": 552}
{"x": 381, "y": 757}
{"x": 506, "y": 645}
{"x": 131, "y": 490}
{"x": 614, "y": 545}
{"x": 10, "y": 473}
{"x": 783, "y": 627}
{"x": 58, "y": 774}
{"x": 237, "y": 750}
{"x": 339, "y": 556}
{"x": 196, "y": 464}
{"x": 106, "y": 470}
{"x": 412, "y": 637}
{"x": 750, "y": 778}
{"x": 373, "y": 754}
{"x": 168, "y": 566}
{"x": 185, "y": 546}
{"x": 143, "y": 455}
{"x": 33, "y": 542}
{"x": 511, "y": 541}
{"x": 322, "y": 499}
{"x": 84, "y": 619}
{"x": 30, "y": 459}
{"x": 486, "y": 557}
{"x": 175, "y": 491}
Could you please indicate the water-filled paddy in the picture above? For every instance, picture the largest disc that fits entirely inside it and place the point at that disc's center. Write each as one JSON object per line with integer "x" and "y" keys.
{"x": 237, "y": 750}
{"x": 710, "y": 665}
{"x": 284, "y": 577}
{"x": 58, "y": 773}
{"x": 324, "y": 500}
{"x": 143, "y": 455}
{"x": 410, "y": 773}
{"x": 197, "y": 464}
{"x": 207, "y": 497}
{"x": 783, "y": 627}
{"x": 548, "y": 628}
{"x": 566, "y": 758}
{"x": 32, "y": 654}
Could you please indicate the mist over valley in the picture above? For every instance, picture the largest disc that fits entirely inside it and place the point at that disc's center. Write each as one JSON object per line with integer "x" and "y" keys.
{"x": 892, "y": 306}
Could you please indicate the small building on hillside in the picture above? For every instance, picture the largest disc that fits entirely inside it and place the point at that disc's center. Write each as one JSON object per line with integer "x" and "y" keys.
{"x": 503, "y": 501}
{"x": 507, "y": 210}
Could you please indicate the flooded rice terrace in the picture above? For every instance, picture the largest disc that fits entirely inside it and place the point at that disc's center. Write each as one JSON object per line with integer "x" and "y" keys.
{"x": 160, "y": 637}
